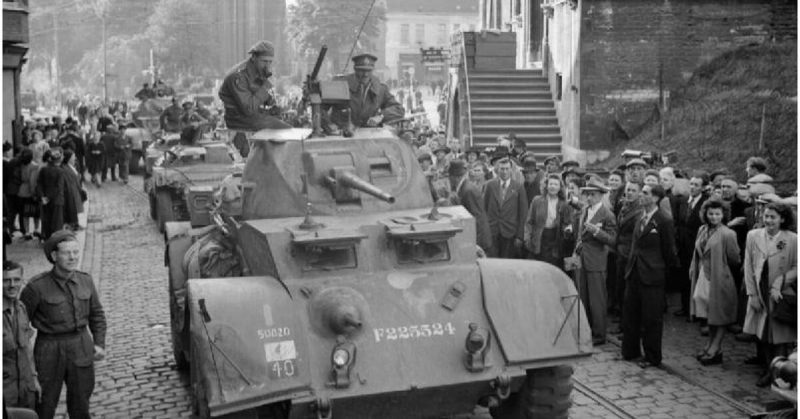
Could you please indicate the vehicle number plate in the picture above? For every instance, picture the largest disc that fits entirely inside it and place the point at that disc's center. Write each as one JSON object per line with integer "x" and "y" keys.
{"x": 417, "y": 331}
{"x": 282, "y": 369}
{"x": 281, "y": 359}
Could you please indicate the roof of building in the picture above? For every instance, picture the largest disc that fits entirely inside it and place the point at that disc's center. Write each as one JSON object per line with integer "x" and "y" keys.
{"x": 427, "y": 6}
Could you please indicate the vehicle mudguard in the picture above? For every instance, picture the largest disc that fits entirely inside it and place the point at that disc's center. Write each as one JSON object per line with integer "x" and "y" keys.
{"x": 244, "y": 360}
{"x": 534, "y": 311}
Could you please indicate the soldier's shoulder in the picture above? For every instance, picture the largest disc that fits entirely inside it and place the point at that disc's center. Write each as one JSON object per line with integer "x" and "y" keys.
{"x": 39, "y": 277}
{"x": 82, "y": 274}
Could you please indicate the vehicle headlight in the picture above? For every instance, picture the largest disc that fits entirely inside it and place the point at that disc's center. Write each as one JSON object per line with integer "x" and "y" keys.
{"x": 340, "y": 357}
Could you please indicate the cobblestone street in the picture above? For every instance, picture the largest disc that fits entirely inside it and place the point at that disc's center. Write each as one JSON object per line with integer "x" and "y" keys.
{"x": 138, "y": 379}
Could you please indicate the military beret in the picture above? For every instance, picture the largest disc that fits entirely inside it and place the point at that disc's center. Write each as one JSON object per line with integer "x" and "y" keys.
{"x": 364, "y": 61}
{"x": 52, "y": 243}
{"x": 529, "y": 165}
{"x": 457, "y": 168}
{"x": 594, "y": 185}
{"x": 262, "y": 48}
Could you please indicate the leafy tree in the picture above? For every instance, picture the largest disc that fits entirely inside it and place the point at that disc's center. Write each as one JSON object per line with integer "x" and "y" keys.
{"x": 181, "y": 32}
{"x": 312, "y": 23}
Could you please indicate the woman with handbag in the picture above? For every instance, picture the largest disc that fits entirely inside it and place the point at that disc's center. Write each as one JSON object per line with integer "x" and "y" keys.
{"x": 715, "y": 258}
{"x": 770, "y": 273}
{"x": 549, "y": 218}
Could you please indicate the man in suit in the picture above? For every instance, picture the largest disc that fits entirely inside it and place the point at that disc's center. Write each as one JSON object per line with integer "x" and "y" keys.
{"x": 506, "y": 209}
{"x": 534, "y": 178}
{"x": 597, "y": 229}
{"x": 468, "y": 195}
{"x": 652, "y": 253}
{"x": 687, "y": 234}
{"x": 629, "y": 214}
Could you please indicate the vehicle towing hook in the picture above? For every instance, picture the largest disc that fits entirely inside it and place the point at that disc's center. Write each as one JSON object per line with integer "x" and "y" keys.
{"x": 502, "y": 386}
{"x": 323, "y": 408}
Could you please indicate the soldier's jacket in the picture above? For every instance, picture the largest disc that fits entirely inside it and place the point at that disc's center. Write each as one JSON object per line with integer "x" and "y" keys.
{"x": 170, "y": 119}
{"x": 366, "y": 103}
{"x": 58, "y": 305}
{"x": 18, "y": 380}
{"x": 244, "y": 90}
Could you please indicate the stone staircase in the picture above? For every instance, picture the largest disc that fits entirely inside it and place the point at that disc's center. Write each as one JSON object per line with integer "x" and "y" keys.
{"x": 518, "y": 101}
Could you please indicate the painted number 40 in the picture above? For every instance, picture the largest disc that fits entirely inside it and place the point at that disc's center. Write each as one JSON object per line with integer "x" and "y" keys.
{"x": 282, "y": 369}
{"x": 413, "y": 332}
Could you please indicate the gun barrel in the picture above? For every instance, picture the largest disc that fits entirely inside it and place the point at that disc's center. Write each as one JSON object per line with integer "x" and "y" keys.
{"x": 318, "y": 64}
{"x": 351, "y": 180}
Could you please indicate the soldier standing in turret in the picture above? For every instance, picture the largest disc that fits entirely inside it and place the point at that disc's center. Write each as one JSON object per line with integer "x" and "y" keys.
{"x": 246, "y": 91}
{"x": 371, "y": 102}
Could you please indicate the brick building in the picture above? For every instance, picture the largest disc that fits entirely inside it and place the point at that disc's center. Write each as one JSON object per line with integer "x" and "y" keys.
{"x": 412, "y": 25}
{"x": 612, "y": 63}
{"x": 15, "y": 46}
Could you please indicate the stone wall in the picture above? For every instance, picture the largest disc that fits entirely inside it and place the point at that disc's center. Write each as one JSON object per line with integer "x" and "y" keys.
{"x": 633, "y": 52}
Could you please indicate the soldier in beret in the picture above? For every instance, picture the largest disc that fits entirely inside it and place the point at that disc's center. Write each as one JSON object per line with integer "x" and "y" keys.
{"x": 20, "y": 386}
{"x": 371, "y": 102}
{"x": 64, "y": 307}
{"x": 246, "y": 91}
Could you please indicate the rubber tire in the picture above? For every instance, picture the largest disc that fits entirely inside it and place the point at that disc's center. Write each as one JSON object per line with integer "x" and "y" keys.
{"x": 545, "y": 394}
{"x": 179, "y": 338}
{"x": 164, "y": 213}
{"x": 153, "y": 208}
{"x": 133, "y": 164}
{"x": 199, "y": 399}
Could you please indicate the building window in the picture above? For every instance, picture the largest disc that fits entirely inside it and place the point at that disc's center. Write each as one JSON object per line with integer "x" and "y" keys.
{"x": 419, "y": 34}
{"x": 441, "y": 37}
{"x": 404, "y": 34}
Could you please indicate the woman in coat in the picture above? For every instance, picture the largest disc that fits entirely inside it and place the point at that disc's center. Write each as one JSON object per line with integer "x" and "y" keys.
{"x": 770, "y": 264}
{"x": 715, "y": 258}
{"x": 549, "y": 216}
{"x": 73, "y": 201}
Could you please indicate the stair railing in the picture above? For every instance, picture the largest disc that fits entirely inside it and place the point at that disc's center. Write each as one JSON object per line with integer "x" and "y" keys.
{"x": 466, "y": 83}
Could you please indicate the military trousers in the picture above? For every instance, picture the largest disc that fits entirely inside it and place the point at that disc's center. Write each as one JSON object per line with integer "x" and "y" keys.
{"x": 65, "y": 359}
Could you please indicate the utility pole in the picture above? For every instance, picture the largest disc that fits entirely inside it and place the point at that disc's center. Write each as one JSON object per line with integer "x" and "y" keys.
{"x": 105, "y": 62}
{"x": 57, "y": 63}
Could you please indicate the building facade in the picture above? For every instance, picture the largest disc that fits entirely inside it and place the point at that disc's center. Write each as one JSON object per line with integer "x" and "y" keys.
{"x": 612, "y": 63}
{"x": 414, "y": 25}
{"x": 15, "y": 46}
{"x": 242, "y": 23}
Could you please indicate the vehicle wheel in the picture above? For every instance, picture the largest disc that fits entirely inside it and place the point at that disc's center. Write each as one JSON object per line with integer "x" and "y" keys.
{"x": 199, "y": 399}
{"x": 133, "y": 166}
{"x": 153, "y": 208}
{"x": 165, "y": 213}
{"x": 179, "y": 339}
{"x": 545, "y": 394}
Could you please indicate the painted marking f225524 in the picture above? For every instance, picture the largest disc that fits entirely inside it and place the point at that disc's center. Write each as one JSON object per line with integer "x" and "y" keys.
{"x": 416, "y": 331}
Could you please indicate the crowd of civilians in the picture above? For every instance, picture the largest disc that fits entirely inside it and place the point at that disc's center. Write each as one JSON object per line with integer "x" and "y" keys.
{"x": 628, "y": 236}
{"x": 44, "y": 177}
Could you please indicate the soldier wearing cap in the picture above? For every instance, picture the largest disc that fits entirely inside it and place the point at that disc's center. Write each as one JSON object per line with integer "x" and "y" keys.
{"x": 634, "y": 170}
{"x": 533, "y": 176}
{"x": 597, "y": 231}
{"x": 246, "y": 92}
{"x": 371, "y": 102}
{"x": 20, "y": 386}
{"x": 64, "y": 307}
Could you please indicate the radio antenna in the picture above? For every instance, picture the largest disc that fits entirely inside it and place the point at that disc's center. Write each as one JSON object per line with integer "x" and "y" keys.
{"x": 363, "y": 23}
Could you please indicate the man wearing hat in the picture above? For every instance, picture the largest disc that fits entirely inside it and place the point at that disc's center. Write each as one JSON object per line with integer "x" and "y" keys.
{"x": 19, "y": 375}
{"x": 441, "y": 158}
{"x": 552, "y": 164}
{"x": 371, "y": 102}
{"x": 246, "y": 92}
{"x": 64, "y": 307}
{"x": 533, "y": 176}
{"x": 469, "y": 196}
{"x": 597, "y": 231}
{"x": 634, "y": 170}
